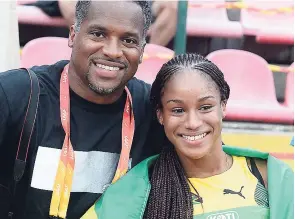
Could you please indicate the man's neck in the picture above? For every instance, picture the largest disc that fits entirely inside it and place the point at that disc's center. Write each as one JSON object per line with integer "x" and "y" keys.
{"x": 211, "y": 164}
{"x": 83, "y": 90}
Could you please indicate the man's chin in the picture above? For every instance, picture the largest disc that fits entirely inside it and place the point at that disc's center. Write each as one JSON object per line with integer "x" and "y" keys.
{"x": 101, "y": 90}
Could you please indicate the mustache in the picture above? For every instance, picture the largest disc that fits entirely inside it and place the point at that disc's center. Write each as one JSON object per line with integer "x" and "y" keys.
{"x": 111, "y": 60}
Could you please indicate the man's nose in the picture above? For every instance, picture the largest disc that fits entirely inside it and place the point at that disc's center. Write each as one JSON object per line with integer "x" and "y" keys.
{"x": 112, "y": 49}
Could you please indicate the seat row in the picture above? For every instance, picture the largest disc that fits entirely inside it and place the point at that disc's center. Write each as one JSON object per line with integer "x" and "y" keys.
{"x": 253, "y": 96}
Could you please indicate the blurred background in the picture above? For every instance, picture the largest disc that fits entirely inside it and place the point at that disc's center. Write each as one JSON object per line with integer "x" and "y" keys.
{"x": 251, "y": 41}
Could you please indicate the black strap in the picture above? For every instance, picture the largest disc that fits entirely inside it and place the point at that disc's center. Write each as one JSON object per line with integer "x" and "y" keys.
{"x": 255, "y": 171}
{"x": 28, "y": 126}
{"x": 26, "y": 134}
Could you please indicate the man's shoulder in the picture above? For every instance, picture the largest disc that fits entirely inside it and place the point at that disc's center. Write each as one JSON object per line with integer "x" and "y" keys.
{"x": 15, "y": 84}
{"x": 13, "y": 74}
{"x": 50, "y": 73}
{"x": 139, "y": 84}
{"x": 139, "y": 89}
{"x": 18, "y": 79}
{"x": 14, "y": 80}
{"x": 140, "y": 92}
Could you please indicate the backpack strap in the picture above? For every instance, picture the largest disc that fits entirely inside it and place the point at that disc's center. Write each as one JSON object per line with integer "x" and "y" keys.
{"x": 25, "y": 135}
{"x": 27, "y": 128}
{"x": 255, "y": 171}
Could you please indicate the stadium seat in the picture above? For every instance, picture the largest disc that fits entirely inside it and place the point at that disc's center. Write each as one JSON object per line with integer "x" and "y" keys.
{"x": 275, "y": 36}
{"x": 22, "y": 2}
{"x": 153, "y": 59}
{"x": 252, "y": 96}
{"x": 45, "y": 51}
{"x": 204, "y": 19}
{"x": 289, "y": 94}
{"x": 269, "y": 27}
{"x": 35, "y": 16}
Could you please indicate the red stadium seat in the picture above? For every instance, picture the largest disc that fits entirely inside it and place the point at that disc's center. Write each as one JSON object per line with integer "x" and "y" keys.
{"x": 45, "y": 51}
{"x": 275, "y": 36}
{"x": 154, "y": 57}
{"x": 253, "y": 96}
{"x": 22, "y": 2}
{"x": 289, "y": 94}
{"x": 269, "y": 27}
{"x": 35, "y": 16}
{"x": 211, "y": 21}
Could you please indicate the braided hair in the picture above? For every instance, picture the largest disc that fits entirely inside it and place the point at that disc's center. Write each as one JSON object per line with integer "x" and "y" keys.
{"x": 170, "y": 196}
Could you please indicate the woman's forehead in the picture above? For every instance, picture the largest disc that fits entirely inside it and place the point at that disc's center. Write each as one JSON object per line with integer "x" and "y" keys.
{"x": 191, "y": 81}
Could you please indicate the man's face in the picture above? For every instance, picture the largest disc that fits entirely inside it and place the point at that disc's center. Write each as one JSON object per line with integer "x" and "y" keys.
{"x": 108, "y": 47}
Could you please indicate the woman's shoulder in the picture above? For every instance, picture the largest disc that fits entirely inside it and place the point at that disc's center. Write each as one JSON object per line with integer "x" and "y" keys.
{"x": 263, "y": 162}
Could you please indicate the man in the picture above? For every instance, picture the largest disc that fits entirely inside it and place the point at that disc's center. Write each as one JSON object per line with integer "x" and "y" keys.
{"x": 162, "y": 30}
{"x": 107, "y": 42}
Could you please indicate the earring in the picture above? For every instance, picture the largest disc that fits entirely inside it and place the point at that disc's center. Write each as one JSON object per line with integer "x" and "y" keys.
{"x": 160, "y": 121}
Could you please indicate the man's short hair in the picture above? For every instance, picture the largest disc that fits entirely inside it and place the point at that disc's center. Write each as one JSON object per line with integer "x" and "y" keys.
{"x": 82, "y": 8}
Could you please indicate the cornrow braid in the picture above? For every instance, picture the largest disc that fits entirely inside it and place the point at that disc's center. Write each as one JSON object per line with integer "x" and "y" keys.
{"x": 212, "y": 70}
{"x": 187, "y": 61}
{"x": 170, "y": 196}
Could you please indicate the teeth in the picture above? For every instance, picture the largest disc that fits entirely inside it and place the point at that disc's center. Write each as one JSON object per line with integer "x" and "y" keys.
{"x": 194, "y": 138}
{"x": 110, "y": 68}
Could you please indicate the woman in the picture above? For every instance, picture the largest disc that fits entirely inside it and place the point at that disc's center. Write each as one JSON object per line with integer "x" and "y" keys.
{"x": 195, "y": 176}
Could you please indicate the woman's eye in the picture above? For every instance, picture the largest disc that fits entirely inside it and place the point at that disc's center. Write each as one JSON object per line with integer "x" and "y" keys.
{"x": 177, "y": 110}
{"x": 205, "y": 108}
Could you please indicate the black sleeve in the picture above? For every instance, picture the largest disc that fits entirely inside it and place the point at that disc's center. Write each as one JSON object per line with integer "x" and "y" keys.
{"x": 4, "y": 115}
{"x": 151, "y": 133}
{"x": 152, "y": 144}
{"x": 155, "y": 138}
{"x": 14, "y": 94}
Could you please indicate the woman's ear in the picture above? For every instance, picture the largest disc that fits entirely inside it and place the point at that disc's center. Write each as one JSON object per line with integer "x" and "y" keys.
{"x": 160, "y": 116}
{"x": 223, "y": 108}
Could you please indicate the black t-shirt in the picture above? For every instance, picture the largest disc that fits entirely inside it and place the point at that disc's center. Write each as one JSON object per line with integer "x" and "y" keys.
{"x": 95, "y": 135}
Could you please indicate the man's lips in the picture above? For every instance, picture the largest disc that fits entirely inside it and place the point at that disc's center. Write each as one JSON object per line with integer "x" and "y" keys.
{"x": 107, "y": 63}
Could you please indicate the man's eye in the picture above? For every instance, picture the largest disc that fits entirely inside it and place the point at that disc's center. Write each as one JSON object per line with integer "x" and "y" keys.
{"x": 130, "y": 41}
{"x": 97, "y": 34}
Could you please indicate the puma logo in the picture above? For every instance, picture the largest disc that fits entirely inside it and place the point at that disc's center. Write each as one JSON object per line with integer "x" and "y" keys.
{"x": 228, "y": 191}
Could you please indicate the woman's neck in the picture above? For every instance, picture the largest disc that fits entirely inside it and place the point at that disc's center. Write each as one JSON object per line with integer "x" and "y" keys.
{"x": 211, "y": 164}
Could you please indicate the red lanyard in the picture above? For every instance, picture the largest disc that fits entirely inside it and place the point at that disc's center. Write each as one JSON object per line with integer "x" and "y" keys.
{"x": 64, "y": 176}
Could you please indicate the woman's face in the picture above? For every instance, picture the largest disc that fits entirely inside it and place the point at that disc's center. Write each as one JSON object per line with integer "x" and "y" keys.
{"x": 192, "y": 114}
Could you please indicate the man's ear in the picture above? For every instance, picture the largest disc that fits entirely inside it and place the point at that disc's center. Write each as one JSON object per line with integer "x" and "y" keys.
{"x": 140, "y": 59}
{"x": 160, "y": 116}
{"x": 72, "y": 36}
{"x": 142, "y": 52}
